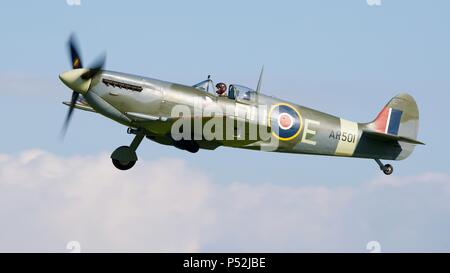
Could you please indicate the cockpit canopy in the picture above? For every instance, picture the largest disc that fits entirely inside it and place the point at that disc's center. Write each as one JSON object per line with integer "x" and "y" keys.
{"x": 235, "y": 91}
{"x": 241, "y": 93}
{"x": 204, "y": 85}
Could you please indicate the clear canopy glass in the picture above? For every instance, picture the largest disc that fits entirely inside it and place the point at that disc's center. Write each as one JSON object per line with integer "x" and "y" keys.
{"x": 240, "y": 92}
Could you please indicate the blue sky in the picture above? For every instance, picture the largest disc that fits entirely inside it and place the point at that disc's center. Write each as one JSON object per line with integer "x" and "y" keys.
{"x": 342, "y": 57}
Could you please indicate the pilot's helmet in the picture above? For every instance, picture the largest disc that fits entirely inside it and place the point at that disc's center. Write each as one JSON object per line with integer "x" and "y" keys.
{"x": 221, "y": 88}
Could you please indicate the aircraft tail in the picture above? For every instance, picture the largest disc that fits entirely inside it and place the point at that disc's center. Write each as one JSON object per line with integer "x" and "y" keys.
{"x": 398, "y": 121}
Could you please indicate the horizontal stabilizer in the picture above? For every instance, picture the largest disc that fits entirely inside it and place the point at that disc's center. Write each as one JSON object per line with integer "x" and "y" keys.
{"x": 390, "y": 137}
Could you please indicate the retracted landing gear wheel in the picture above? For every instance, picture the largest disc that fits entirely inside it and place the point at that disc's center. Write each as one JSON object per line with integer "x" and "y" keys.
{"x": 388, "y": 169}
{"x": 124, "y": 158}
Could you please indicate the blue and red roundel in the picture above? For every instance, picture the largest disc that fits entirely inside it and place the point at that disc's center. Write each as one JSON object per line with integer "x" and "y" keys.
{"x": 285, "y": 121}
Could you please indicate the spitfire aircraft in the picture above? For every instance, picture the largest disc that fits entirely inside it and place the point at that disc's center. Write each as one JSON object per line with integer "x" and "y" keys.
{"x": 239, "y": 117}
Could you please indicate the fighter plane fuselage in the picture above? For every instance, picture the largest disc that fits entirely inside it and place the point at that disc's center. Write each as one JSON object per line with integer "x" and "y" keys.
{"x": 141, "y": 102}
{"x": 191, "y": 118}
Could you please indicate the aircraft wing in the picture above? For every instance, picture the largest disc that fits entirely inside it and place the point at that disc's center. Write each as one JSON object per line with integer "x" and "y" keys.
{"x": 166, "y": 122}
{"x": 145, "y": 117}
{"x": 389, "y": 137}
{"x": 81, "y": 105}
{"x": 149, "y": 118}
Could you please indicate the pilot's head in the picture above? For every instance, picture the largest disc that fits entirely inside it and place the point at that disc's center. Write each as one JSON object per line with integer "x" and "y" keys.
{"x": 221, "y": 88}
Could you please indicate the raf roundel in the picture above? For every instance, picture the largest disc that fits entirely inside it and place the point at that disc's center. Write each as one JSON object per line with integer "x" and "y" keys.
{"x": 285, "y": 121}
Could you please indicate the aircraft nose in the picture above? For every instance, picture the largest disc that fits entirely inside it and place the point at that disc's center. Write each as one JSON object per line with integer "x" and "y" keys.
{"x": 74, "y": 81}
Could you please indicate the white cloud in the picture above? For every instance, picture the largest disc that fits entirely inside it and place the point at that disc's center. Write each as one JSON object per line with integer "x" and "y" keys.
{"x": 166, "y": 205}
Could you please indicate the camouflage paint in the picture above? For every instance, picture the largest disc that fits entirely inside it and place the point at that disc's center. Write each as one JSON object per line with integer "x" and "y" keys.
{"x": 303, "y": 130}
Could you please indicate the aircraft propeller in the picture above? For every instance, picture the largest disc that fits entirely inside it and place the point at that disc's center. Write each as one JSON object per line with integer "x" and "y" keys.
{"x": 78, "y": 79}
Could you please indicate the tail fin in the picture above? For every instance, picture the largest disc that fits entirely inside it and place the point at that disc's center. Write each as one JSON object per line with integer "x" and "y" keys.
{"x": 400, "y": 119}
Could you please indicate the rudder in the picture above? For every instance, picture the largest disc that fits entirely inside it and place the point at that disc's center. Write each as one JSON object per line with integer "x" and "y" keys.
{"x": 400, "y": 117}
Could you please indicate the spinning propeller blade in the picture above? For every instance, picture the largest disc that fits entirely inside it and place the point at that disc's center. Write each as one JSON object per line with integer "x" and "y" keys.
{"x": 79, "y": 78}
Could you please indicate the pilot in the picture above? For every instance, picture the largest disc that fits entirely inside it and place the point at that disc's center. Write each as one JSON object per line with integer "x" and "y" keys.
{"x": 221, "y": 89}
